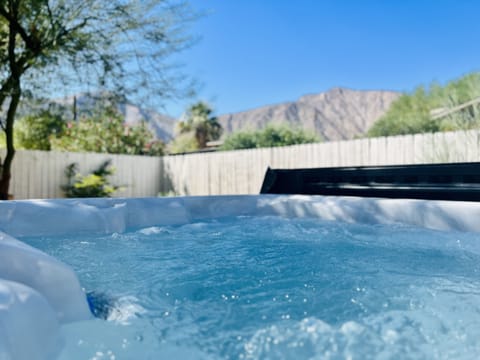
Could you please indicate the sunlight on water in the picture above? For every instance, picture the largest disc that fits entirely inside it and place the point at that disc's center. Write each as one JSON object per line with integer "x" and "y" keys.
{"x": 266, "y": 287}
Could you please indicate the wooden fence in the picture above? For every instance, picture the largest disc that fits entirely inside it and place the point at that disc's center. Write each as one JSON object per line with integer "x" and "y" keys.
{"x": 38, "y": 174}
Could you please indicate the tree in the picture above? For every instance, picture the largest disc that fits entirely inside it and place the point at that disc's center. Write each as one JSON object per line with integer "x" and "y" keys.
{"x": 105, "y": 132}
{"x": 116, "y": 45}
{"x": 200, "y": 126}
{"x": 270, "y": 136}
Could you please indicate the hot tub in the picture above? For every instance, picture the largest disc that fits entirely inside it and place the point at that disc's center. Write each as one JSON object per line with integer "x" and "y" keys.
{"x": 240, "y": 277}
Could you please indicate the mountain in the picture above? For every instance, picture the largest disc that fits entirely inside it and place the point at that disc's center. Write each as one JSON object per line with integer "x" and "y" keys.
{"x": 162, "y": 125}
{"x": 337, "y": 114}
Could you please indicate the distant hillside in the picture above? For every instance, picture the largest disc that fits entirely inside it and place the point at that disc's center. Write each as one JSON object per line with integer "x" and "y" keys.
{"x": 334, "y": 115}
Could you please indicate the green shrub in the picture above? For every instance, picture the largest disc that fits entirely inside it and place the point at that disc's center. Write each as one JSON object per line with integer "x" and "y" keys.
{"x": 270, "y": 136}
{"x": 411, "y": 113}
{"x": 106, "y": 132}
{"x": 183, "y": 143}
{"x": 35, "y": 132}
{"x": 92, "y": 185}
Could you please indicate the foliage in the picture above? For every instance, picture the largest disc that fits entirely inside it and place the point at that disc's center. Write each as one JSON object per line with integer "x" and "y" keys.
{"x": 93, "y": 185}
{"x": 34, "y": 132}
{"x": 106, "y": 132}
{"x": 242, "y": 140}
{"x": 183, "y": 143}
{"x": 270, "y": 136}
{"x": 199, "y": 128}
{"x": 411, "y": 113}
{"x": 123, "y": 46}
{"x": 117, "y": 45}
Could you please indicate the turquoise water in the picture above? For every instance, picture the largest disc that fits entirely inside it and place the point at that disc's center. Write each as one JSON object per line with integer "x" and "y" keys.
{"x": 273, "y": 288}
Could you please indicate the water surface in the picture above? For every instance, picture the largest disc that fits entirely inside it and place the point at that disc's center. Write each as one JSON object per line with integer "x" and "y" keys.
{"x": 268, "y": 287}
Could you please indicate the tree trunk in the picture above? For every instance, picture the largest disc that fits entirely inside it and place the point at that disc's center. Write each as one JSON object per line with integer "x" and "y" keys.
{"x": 7, "y": 163}
{"x": 201, "y": 137}
{"x": 12, "y": 89}
{"x": 5, "y": 180}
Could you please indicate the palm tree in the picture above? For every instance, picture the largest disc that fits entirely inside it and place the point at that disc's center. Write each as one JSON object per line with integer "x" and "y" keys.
{"x": 200, "y": 121}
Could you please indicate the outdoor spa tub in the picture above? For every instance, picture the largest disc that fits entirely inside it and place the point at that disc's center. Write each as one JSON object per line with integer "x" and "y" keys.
{"x": 239, "y": 277}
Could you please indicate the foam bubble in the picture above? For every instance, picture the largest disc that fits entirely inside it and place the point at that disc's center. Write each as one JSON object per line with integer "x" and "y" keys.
{"x": 125, "y": 309}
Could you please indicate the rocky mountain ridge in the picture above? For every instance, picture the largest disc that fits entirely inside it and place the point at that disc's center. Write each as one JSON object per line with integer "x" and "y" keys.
{"x": 337, "y": 114}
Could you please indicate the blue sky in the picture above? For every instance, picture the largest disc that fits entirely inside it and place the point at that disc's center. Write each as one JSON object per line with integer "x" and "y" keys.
{"x": 259, "y": 52}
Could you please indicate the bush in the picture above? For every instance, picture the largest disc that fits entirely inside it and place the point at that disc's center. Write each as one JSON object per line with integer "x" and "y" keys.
{"x": 106, "y": 132}
{"x": 93, "y": 185}
{"x": 34, "y": 132}
{"x": 270, "y": 136}
{"x": 241, "y": 140}
{"x": 183, "y": 143}
{"x": 411, "y": 113}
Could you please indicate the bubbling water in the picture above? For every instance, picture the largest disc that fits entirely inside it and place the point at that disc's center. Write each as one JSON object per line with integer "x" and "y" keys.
{"x": 269, "y": 287}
